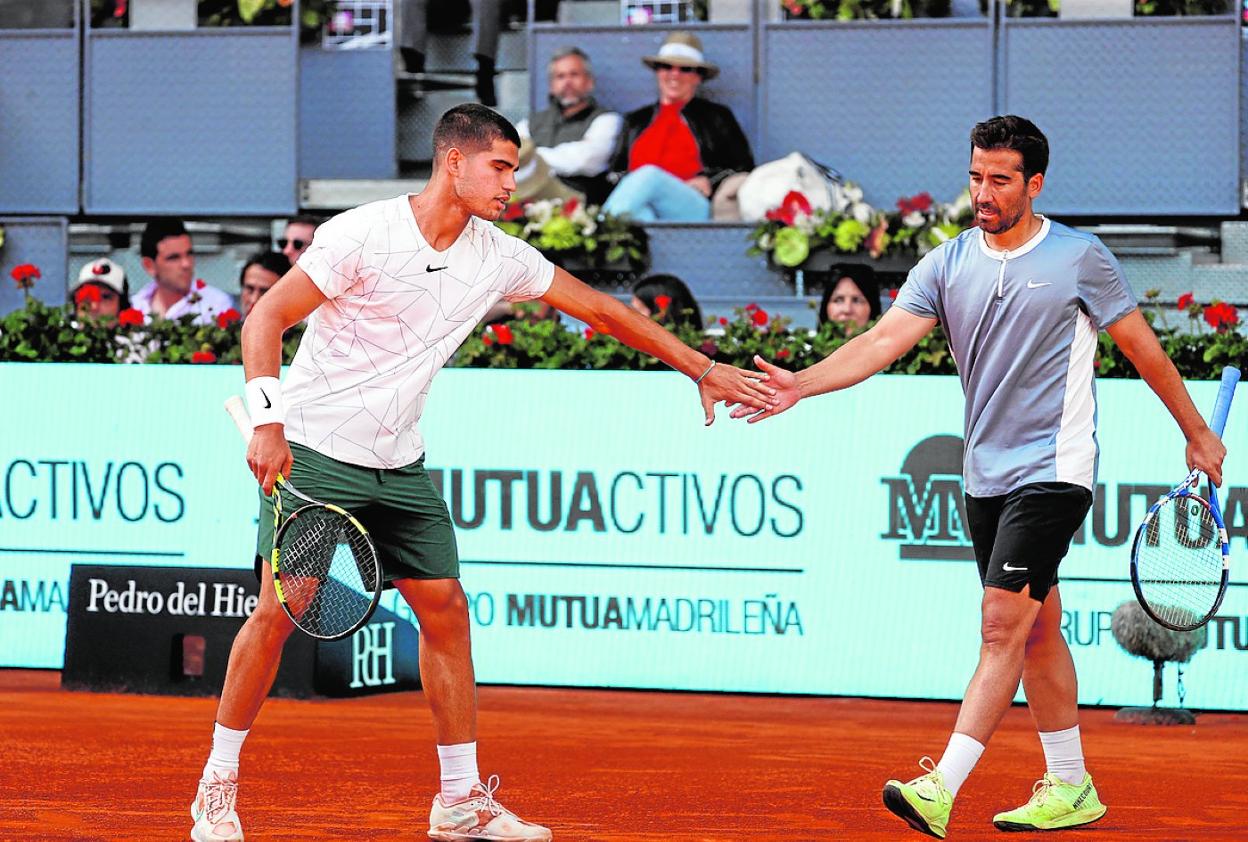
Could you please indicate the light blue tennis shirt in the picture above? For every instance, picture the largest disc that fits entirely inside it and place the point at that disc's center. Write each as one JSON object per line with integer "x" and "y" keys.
{"x": 1022, "y": 326}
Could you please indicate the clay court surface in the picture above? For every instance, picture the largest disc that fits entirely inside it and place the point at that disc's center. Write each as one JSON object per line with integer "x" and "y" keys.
{"x": 591, "y": 764}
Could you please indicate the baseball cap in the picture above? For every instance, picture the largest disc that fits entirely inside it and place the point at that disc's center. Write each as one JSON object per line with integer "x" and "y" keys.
{"x": 103, "y": 271}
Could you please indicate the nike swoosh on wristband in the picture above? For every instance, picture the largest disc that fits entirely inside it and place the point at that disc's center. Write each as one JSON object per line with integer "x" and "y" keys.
{"x": 268, "y": 404}
{"x": 1034, "y": 285}
{"x": 1006, "y": 566}
{"x": 429, "y": 267}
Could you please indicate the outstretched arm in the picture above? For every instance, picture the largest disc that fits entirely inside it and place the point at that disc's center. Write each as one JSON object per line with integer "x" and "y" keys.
{"x": 607, "y": 315}
{"x": 1137, "y": 340}
{"x": 853, "y": 362}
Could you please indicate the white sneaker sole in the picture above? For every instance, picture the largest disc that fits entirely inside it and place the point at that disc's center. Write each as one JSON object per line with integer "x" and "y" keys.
{"x": 455, "y": 836}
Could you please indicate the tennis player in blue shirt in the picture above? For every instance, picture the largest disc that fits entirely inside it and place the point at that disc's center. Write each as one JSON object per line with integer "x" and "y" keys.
{"x": 1021, "y": 299}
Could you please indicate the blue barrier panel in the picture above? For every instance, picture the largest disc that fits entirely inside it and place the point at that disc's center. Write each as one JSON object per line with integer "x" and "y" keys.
{"x": 624, "y": 83}
{"x": 1243, "y": 110}
{"x": 1142, "y": 114}
{"x": 890, "y": 104}
{"x": 191, "y": 123}
{"x": 43, "y": 241}
{"x": 612, "y": 540}
{"x": 346, "y": 114}
{"x": 39, "y": 142}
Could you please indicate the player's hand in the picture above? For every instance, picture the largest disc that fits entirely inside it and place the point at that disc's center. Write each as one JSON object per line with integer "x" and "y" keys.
{"x": 269, "y": 455}
{"x": 1205, "y": 452}
{"x": 734, "y": 386}
{"x": 784, "y": 383}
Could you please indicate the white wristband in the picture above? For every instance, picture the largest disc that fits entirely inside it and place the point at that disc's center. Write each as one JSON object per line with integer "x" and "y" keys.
{"x": 264, "y": 401}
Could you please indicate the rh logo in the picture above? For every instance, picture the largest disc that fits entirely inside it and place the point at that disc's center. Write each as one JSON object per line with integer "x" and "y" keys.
{"x": 372, "y": 656}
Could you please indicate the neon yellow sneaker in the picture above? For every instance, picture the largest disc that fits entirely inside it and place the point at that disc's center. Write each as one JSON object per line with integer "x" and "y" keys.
{"x": 1054, "y": 805}
{"x": 924, "y": 803}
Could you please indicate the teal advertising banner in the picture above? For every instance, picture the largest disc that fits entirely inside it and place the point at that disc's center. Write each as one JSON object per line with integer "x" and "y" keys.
{"x": 609, "y": 539}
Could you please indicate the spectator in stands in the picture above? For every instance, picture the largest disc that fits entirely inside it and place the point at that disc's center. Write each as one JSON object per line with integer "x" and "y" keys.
{"x": 297, "y": 236}
{"x": 414, "y": 37}
{"x": 667, "y": 298}
{"x": 851, "y": 295}
{"x": 261, "y": 271}
{"x": 174, "y": 291}
{"x": 575, "y": 136}
{"x": 102, "y": 291}
{"x": 673, "y": 154}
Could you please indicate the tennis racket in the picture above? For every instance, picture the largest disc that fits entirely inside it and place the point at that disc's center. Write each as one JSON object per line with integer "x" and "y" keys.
{"x": 325, "y": 568}
{"x": 1181, "y": 557}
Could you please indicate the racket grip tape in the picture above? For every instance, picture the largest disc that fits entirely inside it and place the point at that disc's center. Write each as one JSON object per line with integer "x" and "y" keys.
{"x": 1222, "y": 407}
{"x": 238, "y": 411}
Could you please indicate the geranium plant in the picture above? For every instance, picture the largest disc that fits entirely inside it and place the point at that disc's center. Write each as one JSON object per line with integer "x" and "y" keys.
{"x": 570, "y": 231}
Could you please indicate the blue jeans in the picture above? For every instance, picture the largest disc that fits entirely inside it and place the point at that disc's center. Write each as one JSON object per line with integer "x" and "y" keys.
{"x": 651, "y": 193}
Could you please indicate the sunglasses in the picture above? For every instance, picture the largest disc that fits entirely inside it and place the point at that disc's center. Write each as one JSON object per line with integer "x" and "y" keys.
{"x": 660, "y": 66}
{"x": 282, "y": 242}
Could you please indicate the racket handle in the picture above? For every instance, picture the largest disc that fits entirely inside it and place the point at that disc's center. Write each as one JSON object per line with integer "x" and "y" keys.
{"x": 1222, "y": 408}
{"x": 238, "y": 411}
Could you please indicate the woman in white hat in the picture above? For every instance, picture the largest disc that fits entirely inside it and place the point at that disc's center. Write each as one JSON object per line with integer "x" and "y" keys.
{"x": 674, "y": 153}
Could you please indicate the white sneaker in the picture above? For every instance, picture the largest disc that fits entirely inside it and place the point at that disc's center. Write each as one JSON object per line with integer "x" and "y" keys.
{"x": 479, "y": 818}
{"x": 213, "y": 810}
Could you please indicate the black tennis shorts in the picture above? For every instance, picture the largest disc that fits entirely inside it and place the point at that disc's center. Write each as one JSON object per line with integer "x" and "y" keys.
{"x": 1020, "y": 538}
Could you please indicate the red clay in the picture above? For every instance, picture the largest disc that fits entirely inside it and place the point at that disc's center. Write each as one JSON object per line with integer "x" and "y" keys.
{"x": 592, "y": 764}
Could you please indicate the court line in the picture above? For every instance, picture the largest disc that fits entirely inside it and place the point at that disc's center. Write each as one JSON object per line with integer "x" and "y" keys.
{"x": 131, "y": 553}
{"x": 605, "y": 566}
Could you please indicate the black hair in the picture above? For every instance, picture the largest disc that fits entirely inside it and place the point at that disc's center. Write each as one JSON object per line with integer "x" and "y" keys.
{"x": 1017, "y": 133}
{"x": 157, "y": 230}
{"x": 272, "y": 261}
{"x": 863, "y": 277}
{"x": 683, "y": 308}
{"x": 471, "y": 127}
{"x": 305, "y": 219}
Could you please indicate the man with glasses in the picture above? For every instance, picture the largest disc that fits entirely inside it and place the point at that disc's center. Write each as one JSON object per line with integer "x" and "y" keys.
{"x": 297, "y": 237}
{"x": 674, "y": 153}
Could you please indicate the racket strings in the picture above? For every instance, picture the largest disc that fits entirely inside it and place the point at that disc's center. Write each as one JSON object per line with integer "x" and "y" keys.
{"x": 328, "y": 571}
{"x": 1179, "y": 562}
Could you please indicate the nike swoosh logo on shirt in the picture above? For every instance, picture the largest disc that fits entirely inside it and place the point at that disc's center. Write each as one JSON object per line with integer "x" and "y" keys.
{"x": 432, "y": 268}
{"x": 1007, "y": 566}
{"x": 1034, "y": 285}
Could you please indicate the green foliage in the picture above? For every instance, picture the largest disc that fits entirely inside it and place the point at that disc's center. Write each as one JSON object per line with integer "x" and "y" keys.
{"x": 572, "y": 234}
{"x": 864, "y": 9}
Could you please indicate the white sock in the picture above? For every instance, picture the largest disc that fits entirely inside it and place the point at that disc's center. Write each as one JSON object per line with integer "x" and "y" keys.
{"x": 1063, "y": 754}
{"x": 226, "y": 745}
{"x": 959, "y": 759}
{"x": 459, "y": 771}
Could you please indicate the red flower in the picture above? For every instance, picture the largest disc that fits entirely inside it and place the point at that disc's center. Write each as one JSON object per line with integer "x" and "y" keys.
{"x": 487, "y": 339}
{"x": 1185, "y": 301}
{"x": 24, "y": 275}
{"x": 921, "y": 202}
{"x": 203, "y": 357}
{"x": 513, "y": 212}
{"x": 228, "y": 318}
{"x": 1221, "y": 315}
{"x": 199, "y": 283}
{"x": 709, "y": 347}
{"x": 119, "y": 11}
{"x": 793, "y": 204}
{"x": 503, "y": 334}
{"x": 87, "y": 293}
{"x": 570, "y": 206}
{"x": 892, "y": 294}
{"x": 130, "y": 316}
{"x": 782, "y": 354}
{"x": 751, "y": 307}
{"x": 663, "y": 301}
{"x": 589, "y": 333}
{"x": 723, "y": 322}
{"x": 760, "y": 317}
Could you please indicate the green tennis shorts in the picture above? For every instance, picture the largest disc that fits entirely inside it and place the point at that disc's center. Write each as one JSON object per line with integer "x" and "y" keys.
{"x": 400, "y": 507}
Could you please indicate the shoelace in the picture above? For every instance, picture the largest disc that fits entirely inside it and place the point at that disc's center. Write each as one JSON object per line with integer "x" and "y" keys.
{"x": 486, "y": 799}
{"x": 219, "y": 797}
{"x": 1040, "y": 791}
{"x": 928, "y": 782}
